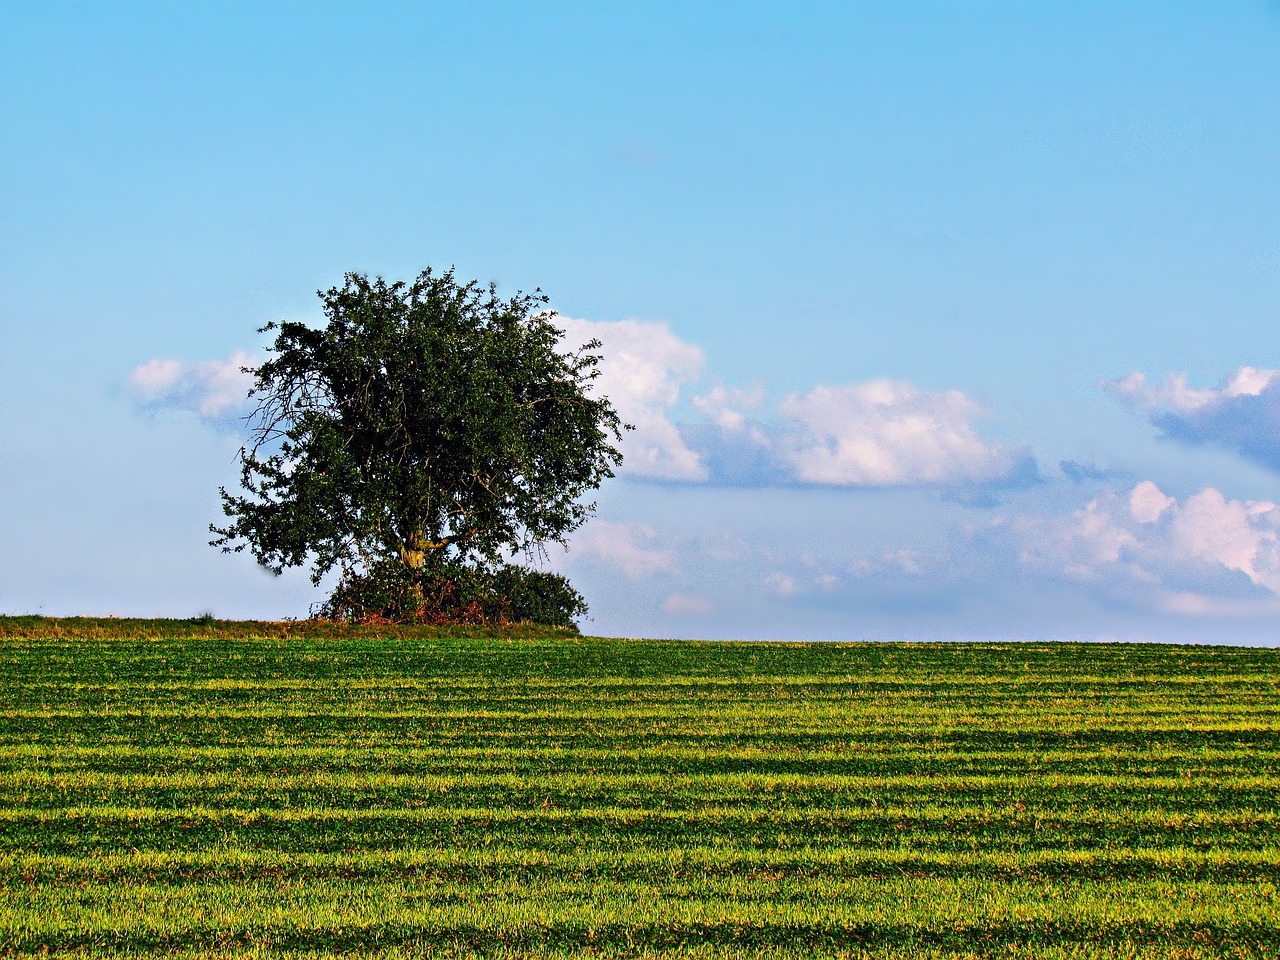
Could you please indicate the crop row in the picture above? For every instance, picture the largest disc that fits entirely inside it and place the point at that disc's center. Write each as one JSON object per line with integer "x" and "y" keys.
{"x": 905, "y": 912}
{"x": 685, "y": 863}
{"x": 1050, "y": 798}
{"x": 88, "y": 832}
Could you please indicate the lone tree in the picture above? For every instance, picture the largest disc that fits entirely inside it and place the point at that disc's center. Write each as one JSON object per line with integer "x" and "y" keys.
{"x": 426, "y": 433}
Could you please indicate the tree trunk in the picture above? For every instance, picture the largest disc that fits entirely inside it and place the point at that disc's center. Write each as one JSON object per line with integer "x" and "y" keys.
{"x": 413, "y": 553}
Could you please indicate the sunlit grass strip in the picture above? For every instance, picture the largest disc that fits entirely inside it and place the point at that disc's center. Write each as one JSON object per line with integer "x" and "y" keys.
{"x": 670, "y": 864}
{"x": 839, "y": 914}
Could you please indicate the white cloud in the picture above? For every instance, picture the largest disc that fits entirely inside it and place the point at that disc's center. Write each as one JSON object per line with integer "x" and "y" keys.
{"x": 1240, "y": 535}
{"x": 1196, "y": 605}
{"x": 642, "y": 369}
{"x": 1204, "y": 547}
{"x": 896, "y": 563}
{"x": 724, "y": 405}
{"x": 1172, "y": 395}
{"x": 1083, "y": 547}
{"x": 687, "y": 605}
{"x": 886, "y": 433}
{"x": 623, "y": 546}
{"x": 156, "y": 376}
{"x": 1132, "y": 561}
{"x": 783, "y": 584}
{"x": 908, "y": 561}
{"x": 213, "y": 390}
{"x": 1147, "y": 502}
{"x": 882, "y": 433}
{"x": 1242, "y": 413}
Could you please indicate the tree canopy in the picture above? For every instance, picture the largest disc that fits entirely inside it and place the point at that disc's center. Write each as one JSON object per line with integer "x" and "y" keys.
{"x": 427, "y": 421}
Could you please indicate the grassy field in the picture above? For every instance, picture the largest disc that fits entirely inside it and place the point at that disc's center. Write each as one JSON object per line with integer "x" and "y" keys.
{"x": 194, "y": 789}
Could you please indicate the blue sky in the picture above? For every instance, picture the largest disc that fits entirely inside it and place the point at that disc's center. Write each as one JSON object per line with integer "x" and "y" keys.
{"x": 937, "y": 320}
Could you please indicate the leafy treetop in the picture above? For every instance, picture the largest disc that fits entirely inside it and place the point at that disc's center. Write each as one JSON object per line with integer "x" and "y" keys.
{"x": 426, "y": 420}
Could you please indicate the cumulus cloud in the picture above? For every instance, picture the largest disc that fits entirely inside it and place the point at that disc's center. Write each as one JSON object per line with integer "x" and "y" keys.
{"x": 1241, "y": 414}
{"x": 642, "y": 370}
{"x": 1239, "y": 535}
{"x": 1147, "y": 503}
{"x": 783, "y": 584}
{"x": 883, "y": 433}
{"x": 687, "y": 605}
{"x": 887, "y": 433}
{"x": 213, "y": 390}
{"x": 1185, "y": 555}
{"x": 725, "y": 406}
{"x": 898, "y": 564}
{"x": 626, "y": 547}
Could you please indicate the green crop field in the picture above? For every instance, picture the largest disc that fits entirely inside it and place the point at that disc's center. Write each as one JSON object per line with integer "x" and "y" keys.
{"x": 189, "y": 789}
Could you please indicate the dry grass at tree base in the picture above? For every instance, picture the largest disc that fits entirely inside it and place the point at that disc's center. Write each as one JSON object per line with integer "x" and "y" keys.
{"x": 191, "y": 789}
{"x": 206, "y": 627}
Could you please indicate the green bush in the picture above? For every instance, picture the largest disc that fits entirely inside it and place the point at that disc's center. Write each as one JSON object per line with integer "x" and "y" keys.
{"x": 537, "y": 596}
{"x": 454, "y": 592}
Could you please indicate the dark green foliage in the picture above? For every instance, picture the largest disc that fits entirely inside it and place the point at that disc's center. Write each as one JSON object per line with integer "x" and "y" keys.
{"x": 427, "y": 423}
{"x": 538, "y": 596}
{"x": 448, "y": 591}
